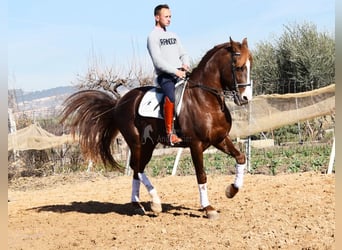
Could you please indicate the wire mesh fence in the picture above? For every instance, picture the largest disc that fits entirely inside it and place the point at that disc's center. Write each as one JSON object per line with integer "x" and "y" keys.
{"x": 300, "y": 146}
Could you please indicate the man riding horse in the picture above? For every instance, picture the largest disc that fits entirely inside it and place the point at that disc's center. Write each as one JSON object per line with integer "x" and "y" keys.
{"x": 170, "y": 61}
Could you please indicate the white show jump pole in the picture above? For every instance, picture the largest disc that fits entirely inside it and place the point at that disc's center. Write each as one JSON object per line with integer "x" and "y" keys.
{"x": 249, "y": 137}
{"x": 175, "y": 165}
{"x": 332, "y": 158}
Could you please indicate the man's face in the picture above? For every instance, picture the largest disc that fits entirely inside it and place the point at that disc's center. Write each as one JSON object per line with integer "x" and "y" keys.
{"x": 164, "y": 18}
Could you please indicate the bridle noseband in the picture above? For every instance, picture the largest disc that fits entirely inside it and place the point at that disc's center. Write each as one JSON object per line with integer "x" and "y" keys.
{"x": 235, "y": 92}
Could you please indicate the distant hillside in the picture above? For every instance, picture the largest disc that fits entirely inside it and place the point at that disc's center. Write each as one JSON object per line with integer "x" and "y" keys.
{"x": 44, "y": 103}
{"x": 22, "y": 96}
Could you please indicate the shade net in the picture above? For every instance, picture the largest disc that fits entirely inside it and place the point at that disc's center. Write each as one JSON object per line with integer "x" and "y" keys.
{"x": 267, "y": 112}
{"x": 263, "y": 113}
{"x": 34, "y": 137}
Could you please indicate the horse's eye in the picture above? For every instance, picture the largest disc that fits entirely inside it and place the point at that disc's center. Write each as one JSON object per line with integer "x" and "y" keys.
{"x": 242, "y": 68}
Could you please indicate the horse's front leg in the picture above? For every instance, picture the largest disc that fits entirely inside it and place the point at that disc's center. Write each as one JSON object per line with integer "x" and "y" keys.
{"x": 197, "y": 157}
{"x": 228, "y": 147}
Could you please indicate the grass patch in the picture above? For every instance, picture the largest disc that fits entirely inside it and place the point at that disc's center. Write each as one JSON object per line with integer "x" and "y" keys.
{"x": 270, "y": 161}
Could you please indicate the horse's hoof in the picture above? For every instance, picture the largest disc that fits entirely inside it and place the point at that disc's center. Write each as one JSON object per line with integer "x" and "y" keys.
{"x": 138, "y": 208}
{"x": 156, "y": 207}
{"x": 211, "y": 213}
{"x": 231, "y": 191}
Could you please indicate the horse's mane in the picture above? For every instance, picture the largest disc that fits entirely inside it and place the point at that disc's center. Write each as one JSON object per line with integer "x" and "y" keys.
{"x": 210, "y": 53}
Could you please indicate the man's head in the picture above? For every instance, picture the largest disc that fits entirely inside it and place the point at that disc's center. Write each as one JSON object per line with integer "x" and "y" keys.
{"x": 162, "y": 15}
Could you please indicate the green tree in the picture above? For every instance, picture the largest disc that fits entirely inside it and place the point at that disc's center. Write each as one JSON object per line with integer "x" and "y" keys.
{"x": 265, "y": 68}
{"x": 302, "y": 59}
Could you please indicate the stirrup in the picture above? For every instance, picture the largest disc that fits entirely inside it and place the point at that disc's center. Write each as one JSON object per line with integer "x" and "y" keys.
{"x": 173, "y": 139}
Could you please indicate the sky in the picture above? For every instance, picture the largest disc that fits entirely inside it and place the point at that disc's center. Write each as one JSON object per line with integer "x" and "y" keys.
{"x": 51, "y": 43}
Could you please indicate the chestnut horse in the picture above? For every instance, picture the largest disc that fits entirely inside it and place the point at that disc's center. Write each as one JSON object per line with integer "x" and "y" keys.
{"x": 204, "y": 120}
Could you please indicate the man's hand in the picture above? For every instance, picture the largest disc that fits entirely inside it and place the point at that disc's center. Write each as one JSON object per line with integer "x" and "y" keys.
{"x": 186, "y": 67}
{"x": 180, "y": 73}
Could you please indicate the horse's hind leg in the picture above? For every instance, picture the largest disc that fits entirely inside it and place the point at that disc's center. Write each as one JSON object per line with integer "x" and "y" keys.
{"x": 228, "y": 147}
{"x": 141, "y": 155}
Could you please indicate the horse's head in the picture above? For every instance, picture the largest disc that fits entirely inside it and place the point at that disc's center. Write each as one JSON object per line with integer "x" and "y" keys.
{"x": 227, "y": 66}
{"x": 238, "y": 71}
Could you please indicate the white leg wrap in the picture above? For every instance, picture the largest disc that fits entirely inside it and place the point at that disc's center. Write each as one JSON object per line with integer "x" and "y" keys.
{"x": 240, "y": 170}
{"x": 143, "y": 178}
{"x": 151, "y": 190}
{"x": 135, "y": 190}
{"x": 203, "y": 195}
{"x": 154, "y": 195}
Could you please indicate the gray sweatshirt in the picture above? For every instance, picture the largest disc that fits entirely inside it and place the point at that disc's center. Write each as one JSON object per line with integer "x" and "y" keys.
{"x": 166, "y": 51}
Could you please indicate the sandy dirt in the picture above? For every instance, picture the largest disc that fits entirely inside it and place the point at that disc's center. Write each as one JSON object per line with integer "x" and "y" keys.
{"x": 92, "y": 211}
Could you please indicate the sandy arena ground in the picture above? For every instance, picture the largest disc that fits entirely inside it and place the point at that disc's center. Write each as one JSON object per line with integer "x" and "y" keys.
{"x": 92, "y": 211}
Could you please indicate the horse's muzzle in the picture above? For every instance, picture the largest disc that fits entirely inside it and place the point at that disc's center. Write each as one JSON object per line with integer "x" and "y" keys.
{"x": 238, "y": 100}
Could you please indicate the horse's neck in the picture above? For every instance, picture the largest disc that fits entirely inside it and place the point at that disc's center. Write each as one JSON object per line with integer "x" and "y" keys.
{"x": 209, "y": 76}
{"x": 203, "y": 94}
{"x": 206, "y": 79}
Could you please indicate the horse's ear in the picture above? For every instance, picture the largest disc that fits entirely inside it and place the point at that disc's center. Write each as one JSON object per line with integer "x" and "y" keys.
{"x": 230, "y": 39}
{"x": 244, "y": 42}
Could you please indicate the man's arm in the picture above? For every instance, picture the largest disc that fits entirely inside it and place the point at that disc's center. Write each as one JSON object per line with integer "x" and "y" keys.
{"x": 184, "y": 57}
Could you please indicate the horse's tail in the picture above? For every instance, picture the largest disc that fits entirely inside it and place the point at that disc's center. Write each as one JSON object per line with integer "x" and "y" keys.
{"x": 92, "y": 117}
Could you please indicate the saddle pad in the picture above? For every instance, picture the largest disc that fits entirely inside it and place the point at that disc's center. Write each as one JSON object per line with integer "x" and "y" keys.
{"x": 150, "y": 104}
{"x": 152, "y": 101}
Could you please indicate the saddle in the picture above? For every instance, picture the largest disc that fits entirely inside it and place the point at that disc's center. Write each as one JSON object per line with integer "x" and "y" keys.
{"x": 152, "y": 101}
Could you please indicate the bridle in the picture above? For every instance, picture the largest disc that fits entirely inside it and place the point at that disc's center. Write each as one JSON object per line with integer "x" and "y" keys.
{"x": 226, "y": 93}
{"x": 235, "y": 92}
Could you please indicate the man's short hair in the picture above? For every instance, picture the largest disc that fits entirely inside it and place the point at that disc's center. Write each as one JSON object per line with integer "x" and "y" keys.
{"x": 159, "y": 7}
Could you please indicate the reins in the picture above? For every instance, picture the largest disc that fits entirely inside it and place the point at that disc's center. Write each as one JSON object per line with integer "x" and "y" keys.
{"x": 220, "y": 94}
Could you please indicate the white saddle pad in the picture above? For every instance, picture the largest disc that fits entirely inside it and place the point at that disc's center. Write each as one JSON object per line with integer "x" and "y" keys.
{"x": 150, "y": 105}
